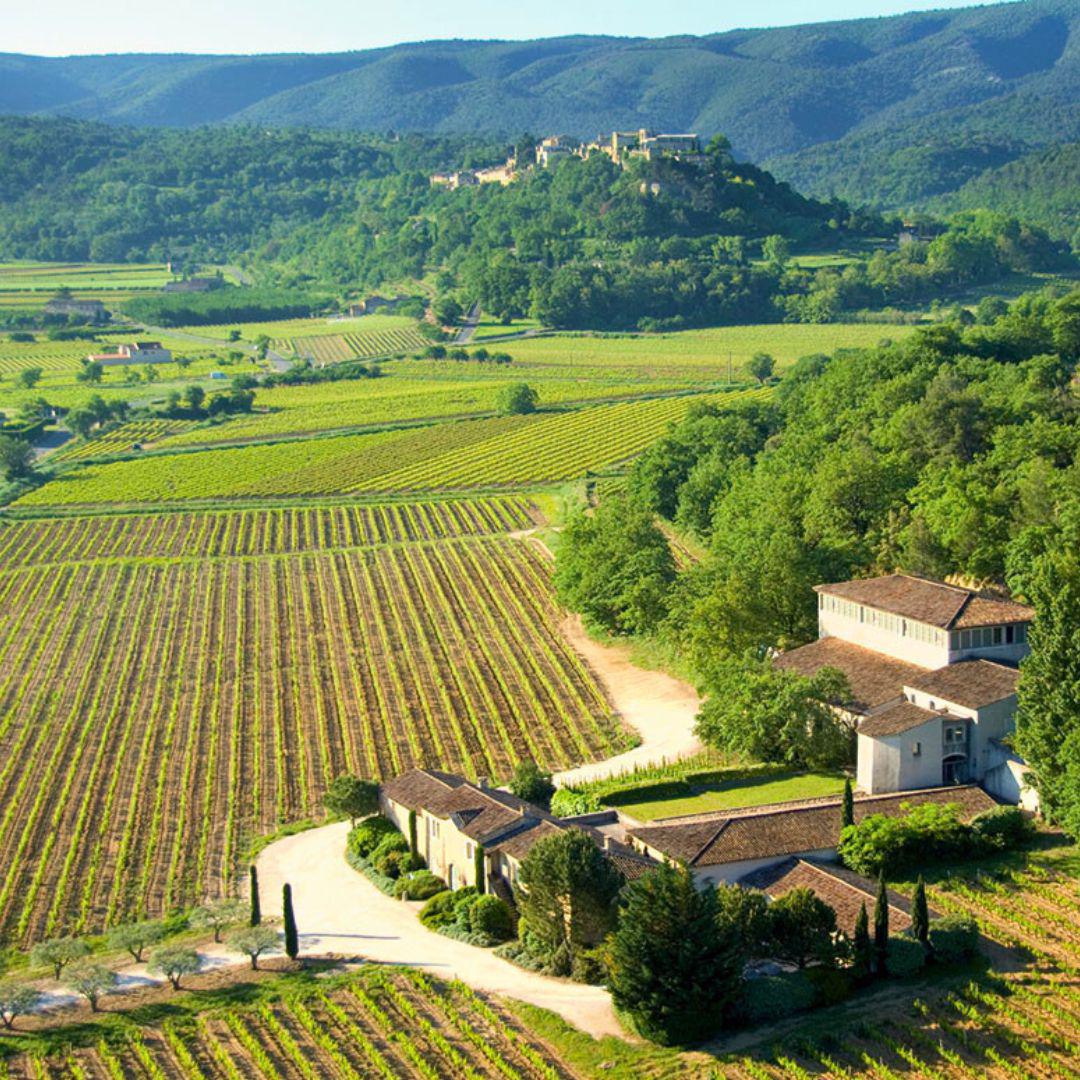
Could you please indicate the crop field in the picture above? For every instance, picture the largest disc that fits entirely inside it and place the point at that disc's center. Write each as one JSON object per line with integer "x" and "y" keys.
{"x": 398, "y": 1023}
{"x": 138, "y": 432}
{"x": 713, "y": 352}
{"x": 1022, "y": 1024}
{"x": 282, "y": 331}
{"x": 330, "y": 348}
{"x": 502, "y": 451}
{"x": 157, "y": 714}
{"x": 283, "y": 531}
{"x": 48, "y": 277}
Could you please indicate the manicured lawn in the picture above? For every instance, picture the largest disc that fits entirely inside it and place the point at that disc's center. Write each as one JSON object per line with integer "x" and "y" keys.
{"x": 739, "y": 793}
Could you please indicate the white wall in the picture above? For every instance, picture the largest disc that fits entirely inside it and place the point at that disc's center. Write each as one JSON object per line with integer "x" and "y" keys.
{"x": 923, "y": 653}
{"x": 890, "y": 763}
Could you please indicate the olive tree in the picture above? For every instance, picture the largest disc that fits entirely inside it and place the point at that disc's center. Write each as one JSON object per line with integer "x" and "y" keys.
{"x": 174, "y": 962}
{"x": 253, "y": 941}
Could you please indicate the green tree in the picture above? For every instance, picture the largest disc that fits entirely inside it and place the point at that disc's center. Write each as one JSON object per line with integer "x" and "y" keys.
{"x": 234, "y": 335}
{"x": 776, "y": 251}
{"x": 566, "y": 894}
{"x": 532, "y": 784}
{"x": 194, "y": 395}
{"x": 17, "y": 999}
{"x": 847, "y": 805}
{"x": 90, "y": 371}
{"x": 761, "y": 366}
{"x": 58, "y": 953}
{"x": 516, "y": 399}
{"x": 615, "y": 567}
{"x": 881, "y": 928}
{"x": 292, "y": 938}
{"x": 219, "y": 914}
{"x": 135, "y": 937}
{"x": 16, "y": 457}
{"x": 673, "y": 967}
{"x": 253, "y": 888}
{"x": 480, "y": 869}
{"x": 183, "y": 362}
{"x": 150, "y": 373}
{"x": 349, "y": 796}
{"x": 768, "y": 714}
{"x": 28, "y": 378}
{"x": 448, "y": 311}
{"x": 174, "y": 962}
{"x": 920, "y": 914}
{"x": 862, "y": 948}
{"x": 253, "y": 941}
{"x": 90, "y": 981}
{"x": 802, "y": 927}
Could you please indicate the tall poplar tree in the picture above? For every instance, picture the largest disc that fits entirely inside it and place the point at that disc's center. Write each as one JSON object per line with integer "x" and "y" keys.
{"x": 256, "y": 907}
{"x": 881, "y": 928}
{"x": 292, "y": 939}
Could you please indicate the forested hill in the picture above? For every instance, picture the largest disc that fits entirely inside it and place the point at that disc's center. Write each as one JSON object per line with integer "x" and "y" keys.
{"x": 771, "y": 92}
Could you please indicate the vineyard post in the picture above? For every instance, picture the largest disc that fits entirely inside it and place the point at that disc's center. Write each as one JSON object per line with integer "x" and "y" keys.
{"x": 292, "y": 940}
{"x": 256, "y": 909}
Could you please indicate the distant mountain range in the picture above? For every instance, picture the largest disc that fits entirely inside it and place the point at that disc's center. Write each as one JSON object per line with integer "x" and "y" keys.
{"x": 951, "y": 94}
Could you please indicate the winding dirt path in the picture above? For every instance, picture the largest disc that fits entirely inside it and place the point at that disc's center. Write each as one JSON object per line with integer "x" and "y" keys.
{"x": 661, "y": 708}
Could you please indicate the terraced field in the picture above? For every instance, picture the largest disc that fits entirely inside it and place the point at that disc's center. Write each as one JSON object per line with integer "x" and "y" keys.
{"x": 504, "y": 451}
{"x": 157, "y": 714}
{"x": 120, "y": 439}
{"x": 380, "y": 1023}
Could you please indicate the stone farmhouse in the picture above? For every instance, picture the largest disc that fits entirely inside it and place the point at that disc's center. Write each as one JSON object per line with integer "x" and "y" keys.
{"x": 932, "y": 670}
{"x": 455, "y": 819}
{"x": 91, "y": 311}
{"x": 135, "y": 352}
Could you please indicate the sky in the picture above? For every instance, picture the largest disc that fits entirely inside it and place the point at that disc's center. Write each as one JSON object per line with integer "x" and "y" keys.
{"x": 66, "y": 27}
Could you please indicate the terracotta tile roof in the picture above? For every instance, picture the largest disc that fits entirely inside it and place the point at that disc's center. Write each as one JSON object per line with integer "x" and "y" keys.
{"x": 418, "y": 789}
{"x": 949, "y": 607}
{"x": 873, "y": 678}
{"x": 969, "y": 683}
{"x": 842, "y": 890}
{"x": 774, "y": 833}
{"x": 897, "y": 719}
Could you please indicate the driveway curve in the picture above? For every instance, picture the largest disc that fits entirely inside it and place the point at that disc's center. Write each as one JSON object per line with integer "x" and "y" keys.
{"x": 338, "y": 911}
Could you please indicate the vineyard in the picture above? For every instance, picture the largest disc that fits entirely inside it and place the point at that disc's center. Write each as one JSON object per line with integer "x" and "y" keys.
{"x": 378, "y": 1024}
{"x": 503, "y": 451}
{"x": 254, "y": 532}
{"x": 156, "y": 715}
{"x": 1023, "y": 1024}
{"x": 141, "y": 433}
{"x": 330, "y": 348}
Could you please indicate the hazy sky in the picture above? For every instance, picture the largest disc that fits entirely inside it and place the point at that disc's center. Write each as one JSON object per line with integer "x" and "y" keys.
{"x": 62, "y": 27}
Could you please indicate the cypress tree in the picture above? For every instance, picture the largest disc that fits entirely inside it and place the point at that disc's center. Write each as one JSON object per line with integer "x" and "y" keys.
{"x": 881, "y": 928}
{"x": 256, "y": 909}
{"x": 920, "y": 914}
{"x": 478, "y": 864}
{"x": 847, "y": 808}
{"x": 292, "y": 941}
{"x": 412, "y": 832}
{"x": 862, "y": 948}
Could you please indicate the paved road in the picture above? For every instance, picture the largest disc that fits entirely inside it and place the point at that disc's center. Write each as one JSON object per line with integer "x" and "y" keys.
{"x": 472, "y": 320}
{"x": 339, "y": 911}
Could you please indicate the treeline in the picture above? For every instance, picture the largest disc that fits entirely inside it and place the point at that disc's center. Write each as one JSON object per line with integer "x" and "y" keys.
{"x": 225, "y": 306}
{"x": 953, "y": 452}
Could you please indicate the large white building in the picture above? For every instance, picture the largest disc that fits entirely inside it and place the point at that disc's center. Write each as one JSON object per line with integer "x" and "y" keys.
{"x": 932, "y": 670}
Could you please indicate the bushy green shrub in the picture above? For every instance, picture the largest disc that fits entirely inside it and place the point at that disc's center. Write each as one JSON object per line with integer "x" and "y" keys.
{"x": 566, "y": 802}
{"x": 772, "y": 997}
{"x": 421, "y": 885}
{"x": 588, "y": 967}
{"x": 1003, "y": 827}
{"x": 442, "y": 910}
{"x": 366, "y": 837}
{"x": 391, "y": 856}
{"x": 492, "y": 917}
{"x": 831, "y": 985}
{"x": 905, "y": 957}
{"x": 954, "y": 939}
{"x": 927, "y": 833}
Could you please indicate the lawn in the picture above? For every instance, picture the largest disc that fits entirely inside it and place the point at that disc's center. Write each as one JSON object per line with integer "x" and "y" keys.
{"x": 736, "y": 794}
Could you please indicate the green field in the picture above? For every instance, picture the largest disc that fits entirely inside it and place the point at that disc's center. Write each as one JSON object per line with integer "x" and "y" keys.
{"x": 704, "y": 352}
{"x": 498, "y": 452}
{"x": 48, "y": 277}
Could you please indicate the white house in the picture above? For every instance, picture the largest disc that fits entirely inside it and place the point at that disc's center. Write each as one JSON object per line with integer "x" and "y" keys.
{"x": 932, "y": 670}
{"x": 135, "y": 352}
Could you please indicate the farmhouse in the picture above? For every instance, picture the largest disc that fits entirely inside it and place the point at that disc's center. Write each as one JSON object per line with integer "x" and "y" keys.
{"x": 729, "y": 845}
{"x": 135, "y": 352}
{"x": 932, "y": 673}
{"x": 91, "y": 311}
{"x": 461, "y": 826}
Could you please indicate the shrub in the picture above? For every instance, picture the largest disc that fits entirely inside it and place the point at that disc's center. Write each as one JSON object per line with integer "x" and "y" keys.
{"x": 928, "y": 833}
{"x": 831, "y": 985}
{"x": 589, "y": 967}
{"x": 366, "y": 837}
{"x": 1003, "y": 827}
{"x": 566, "y": 802}
{"x": 492, "y": 917}
{"x": 439, "y": 910}
{"x": 954, "y": 939}
{"x": 772, "y": 997}
{"x": 906, "y": 957}
{"x": 395, "y": 859}
{"x": 532, "y": 784}
{"x": 421, "y": 885}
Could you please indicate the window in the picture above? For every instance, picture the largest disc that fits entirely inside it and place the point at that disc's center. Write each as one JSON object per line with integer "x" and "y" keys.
{"x": 954, "y": 733}
{"x": 1009, "y": 635}
{"x": 1021, "y": 633}
{"x": 996, "y": 632}
{"x": 916, "y": 749}
{"x": 468, "y": 849}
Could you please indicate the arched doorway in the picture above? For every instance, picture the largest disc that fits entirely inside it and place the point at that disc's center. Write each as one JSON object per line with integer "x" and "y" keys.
{"x": 954, "y": 769}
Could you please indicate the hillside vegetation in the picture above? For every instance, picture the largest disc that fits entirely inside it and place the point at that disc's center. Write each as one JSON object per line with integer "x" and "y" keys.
{"x": 771, "y": 91}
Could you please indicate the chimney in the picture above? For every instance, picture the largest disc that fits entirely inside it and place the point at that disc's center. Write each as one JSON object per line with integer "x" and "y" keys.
{"x": 483, "y": 783}
{"x": 608, "y": 843}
